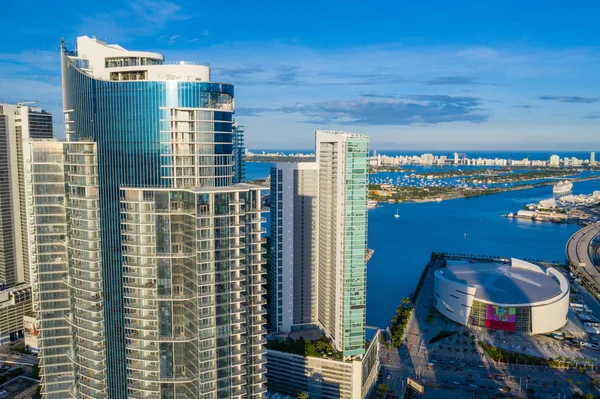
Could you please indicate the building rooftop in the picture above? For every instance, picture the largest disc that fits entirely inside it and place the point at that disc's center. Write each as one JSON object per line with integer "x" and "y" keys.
{"x": 516, "y": 282}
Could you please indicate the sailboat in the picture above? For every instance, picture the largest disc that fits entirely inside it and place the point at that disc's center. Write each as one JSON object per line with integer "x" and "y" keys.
{"x": 397, "y": 215}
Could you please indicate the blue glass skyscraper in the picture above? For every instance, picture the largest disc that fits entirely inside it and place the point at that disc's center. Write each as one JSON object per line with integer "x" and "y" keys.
{"x": 166, "y": 130}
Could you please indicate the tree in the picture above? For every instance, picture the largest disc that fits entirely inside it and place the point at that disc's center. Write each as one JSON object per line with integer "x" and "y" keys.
{"x": 589, "y": 396}
{"x": 382, "y": 390}
{"x": 545, "y": 385}
{"x": 35, "y": 371}
{"x": 303, "y": 395}
{"x": 568, "y": 380}
{"x": 594, "y": 381}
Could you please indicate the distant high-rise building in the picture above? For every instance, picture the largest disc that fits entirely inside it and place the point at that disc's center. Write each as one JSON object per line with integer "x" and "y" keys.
{"x": 592, "y": 158}
{"x": 427, "y": 159}
{"x": 293, "y": 264}
{"x": 317, "y": 266}
{"x": 239, "y": 153}
{"x": 17, "y": 123}
{"x": 164, "y": 279}
{"x": 455, "y": 158}
{"x": 554, "y": 160}
{"x": 342, "y": 215}
{"x": 317, "y": 269}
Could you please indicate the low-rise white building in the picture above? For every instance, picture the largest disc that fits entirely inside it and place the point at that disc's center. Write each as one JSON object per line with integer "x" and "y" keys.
{"x": 324, "y": 378}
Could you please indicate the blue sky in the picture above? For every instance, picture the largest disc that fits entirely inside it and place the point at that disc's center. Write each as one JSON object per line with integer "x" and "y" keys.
{"x": 413, "y": 75}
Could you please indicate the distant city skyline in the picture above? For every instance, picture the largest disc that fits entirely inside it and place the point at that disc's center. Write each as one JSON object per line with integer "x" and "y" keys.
{"x": 436, "y": 75}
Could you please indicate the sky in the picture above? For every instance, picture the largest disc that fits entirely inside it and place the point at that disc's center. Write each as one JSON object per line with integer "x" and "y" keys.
{"x": 431, "y": 74}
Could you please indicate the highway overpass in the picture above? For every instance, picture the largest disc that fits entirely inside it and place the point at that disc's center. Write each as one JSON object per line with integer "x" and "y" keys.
{"x": 582, "y": 252}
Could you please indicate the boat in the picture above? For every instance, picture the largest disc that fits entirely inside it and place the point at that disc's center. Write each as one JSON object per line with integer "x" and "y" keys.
{"x": 562, "y": 187}
{"x": 397, "y": 215}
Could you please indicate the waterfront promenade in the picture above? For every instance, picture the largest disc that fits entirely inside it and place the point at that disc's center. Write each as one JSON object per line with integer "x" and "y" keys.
{"x": 582, "y": 254}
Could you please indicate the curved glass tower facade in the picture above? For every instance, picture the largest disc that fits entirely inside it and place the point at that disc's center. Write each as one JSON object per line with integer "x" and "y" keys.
{"x": 160, "y": 130}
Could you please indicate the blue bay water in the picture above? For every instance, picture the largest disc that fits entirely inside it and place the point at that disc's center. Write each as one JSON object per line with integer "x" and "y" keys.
{"x": 403, "y": 246}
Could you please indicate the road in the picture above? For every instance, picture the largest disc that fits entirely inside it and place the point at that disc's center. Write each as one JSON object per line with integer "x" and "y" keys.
{"x": 578, "y": 252}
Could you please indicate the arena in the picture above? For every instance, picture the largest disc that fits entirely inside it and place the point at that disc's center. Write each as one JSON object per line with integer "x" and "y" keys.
{"x": 510, "y": 296}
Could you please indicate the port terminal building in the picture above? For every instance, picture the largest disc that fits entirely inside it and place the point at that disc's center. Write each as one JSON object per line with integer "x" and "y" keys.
{"x": 511, "y": 295}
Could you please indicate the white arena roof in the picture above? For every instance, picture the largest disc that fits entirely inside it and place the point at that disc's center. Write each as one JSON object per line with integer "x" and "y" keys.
{"x": 517, "y": 282}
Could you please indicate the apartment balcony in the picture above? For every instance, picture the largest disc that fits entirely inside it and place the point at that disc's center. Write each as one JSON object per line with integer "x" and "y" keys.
{"x": 143, "y": 365}
{"x": 91, "y": 366}
{"x": 92, "y": 339}
{"x": 139, "y": 295}
{"x": 257, "y": 341}
{"x": 136, "y": 348}
{"x": 131, "y": 316}
{"x": 257, "y": 390}
{"x": 237, "y": 391}
{"x": 151, "y": 388}
{"x": 77, "y": 284}
{"x": 93, "y": 384}
{"x": 137, "y": 273}
{"x": 140, "y": 326}
{"x": 139, "y": 356}
{"x": 257, "y": 355}
{"x": 80, "y": 278}
{"x": 144, "y": 395}
{"x": 84, "y": 392}
{"x": 84, "y": 266}
{"x": 155, "y": 378}
{"x": 81, "y": 324}
{"x": 141, "y": 336}
{"x": 143, "y": 377}
{"x": 259, "y": 312}
{"x": 89, "y": 345}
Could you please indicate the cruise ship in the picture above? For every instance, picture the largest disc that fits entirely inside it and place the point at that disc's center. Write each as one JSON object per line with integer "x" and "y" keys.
{"x": 562, "y": 187}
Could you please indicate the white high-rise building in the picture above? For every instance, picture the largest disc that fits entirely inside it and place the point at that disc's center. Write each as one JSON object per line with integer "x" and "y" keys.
{"x": 554, "y": 160}
{"x": 319, "y": 233}
{"x": 317, "y": 269}
{"x": 592, "y": 158}
{"x": 17, "y": 124}
{"x": 342, "y": 215}
{"x": 294, "y": 240}
{"x": 47, "y": 198}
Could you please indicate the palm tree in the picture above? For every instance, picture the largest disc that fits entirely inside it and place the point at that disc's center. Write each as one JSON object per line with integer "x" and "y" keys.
{"x": 303, "y": 395}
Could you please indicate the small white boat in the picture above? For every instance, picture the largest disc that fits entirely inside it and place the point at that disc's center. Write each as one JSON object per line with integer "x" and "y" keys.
{"x": 397, "y": 215}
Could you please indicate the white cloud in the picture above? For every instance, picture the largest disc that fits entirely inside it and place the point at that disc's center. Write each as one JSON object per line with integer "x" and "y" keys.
{"x": 137, "y": 18}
